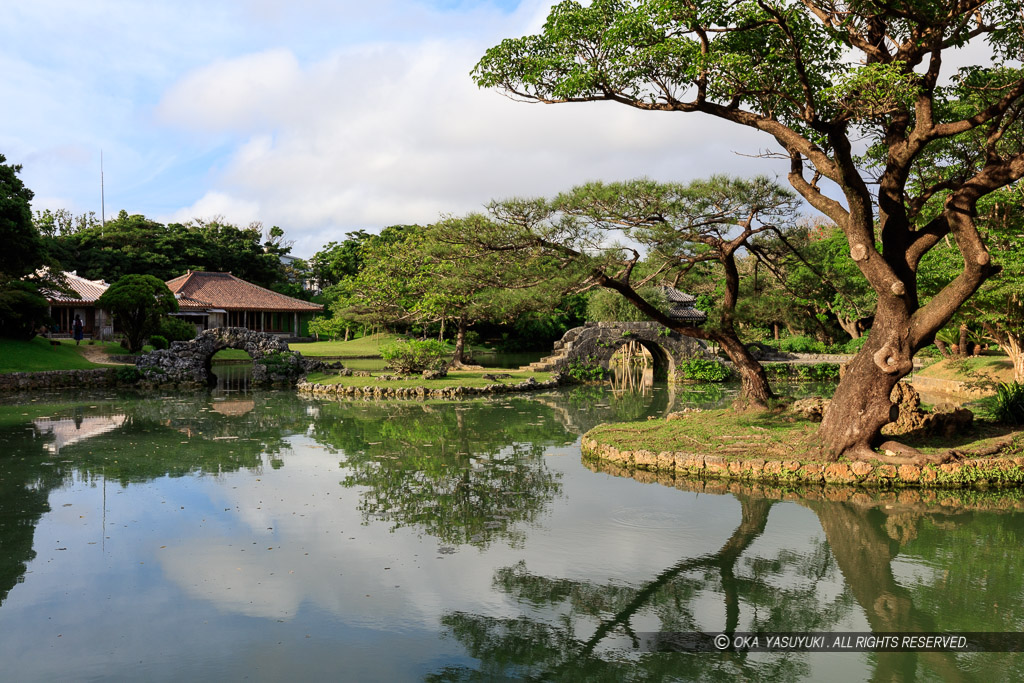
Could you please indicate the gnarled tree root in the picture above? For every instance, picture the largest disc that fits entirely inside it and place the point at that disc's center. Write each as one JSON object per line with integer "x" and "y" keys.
{"x": 895, "y": 453}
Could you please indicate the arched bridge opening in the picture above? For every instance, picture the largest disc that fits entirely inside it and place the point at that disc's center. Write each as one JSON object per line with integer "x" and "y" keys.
{"x": 597, "y": 343}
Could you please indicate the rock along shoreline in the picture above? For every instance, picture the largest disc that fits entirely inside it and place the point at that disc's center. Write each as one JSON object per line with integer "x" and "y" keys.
{"x": 981, "y": 473}
{"x": 381, "y": 391}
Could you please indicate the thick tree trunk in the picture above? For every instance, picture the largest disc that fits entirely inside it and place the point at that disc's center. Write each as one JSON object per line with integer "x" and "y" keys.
{"x": 1013, "y": 346}
{"x": 458, "y": 359}
{"x": 754, "y": 381}
{"x": 850, "y": 327}
{"x": 861, "y": 406}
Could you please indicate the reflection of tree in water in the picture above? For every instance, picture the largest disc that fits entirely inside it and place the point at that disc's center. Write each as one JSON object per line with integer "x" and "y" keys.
{"x": 549, "y": 645}
{"x": 462, "y": 472}
{"x": 584, "y": 407}
{"x": 974, "y": 586}
{"x": 976, "y": 589}
{"x": 152, "y": 437}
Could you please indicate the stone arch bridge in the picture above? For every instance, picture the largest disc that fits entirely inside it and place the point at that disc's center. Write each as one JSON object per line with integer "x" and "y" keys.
{"x": 598, "y": 342}
{"x": 189, "y": 362}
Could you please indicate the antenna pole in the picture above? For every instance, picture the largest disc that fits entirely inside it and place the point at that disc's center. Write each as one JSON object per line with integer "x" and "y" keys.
{"x": 103, "y": 199}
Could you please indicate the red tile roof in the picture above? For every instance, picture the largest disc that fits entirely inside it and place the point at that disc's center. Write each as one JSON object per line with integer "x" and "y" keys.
{"x": 202, "y": 290}
{"x": 89, "y": 290}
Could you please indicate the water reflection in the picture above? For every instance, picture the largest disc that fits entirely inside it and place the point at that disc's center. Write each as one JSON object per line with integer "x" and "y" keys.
{"x": 269, "y": 535}
{"x": 231, "y": 377}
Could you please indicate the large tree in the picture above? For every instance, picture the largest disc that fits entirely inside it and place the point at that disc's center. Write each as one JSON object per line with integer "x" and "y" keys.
{"x": 25, "y": 264}
{"x": 997, "y": 309}
{"x": 822, "y": 78}
{"x": 137, "y": 303}
{"x": 135, "y": 244}
{"x": 435, "y": 275}
{"x": 676, "y": 228}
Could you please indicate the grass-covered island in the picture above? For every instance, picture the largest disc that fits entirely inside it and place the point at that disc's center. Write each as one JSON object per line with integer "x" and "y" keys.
{"x": 454, "y": 384}
{"x": 780, "y": 446}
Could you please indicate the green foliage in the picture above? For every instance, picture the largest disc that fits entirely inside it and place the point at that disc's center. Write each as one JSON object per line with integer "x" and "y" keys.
{"x": 128, "y": 374}
{"x": 158, "y": 341}
{"x": 802, "y": 372}
{"x": 801, "y": 345}
{"x": 138, "y": 303}
{"x": 22, "y": 245}
{"x": 704, "y": 370}
{"x": 22, "y": 307}
{"x": 23, "y": 310}
{"x": 1009, "y": 403}
{"x": 415, "y": 356}
{"x": 276, "y": 361}
{"x": 585, "y": 370}
{"x": 855, "y": 345}
{"x": 135, "y": 244}
{"x": 176, "y": 329}
{"x": 331, "y": 328}
{"x": 606, "y": 305}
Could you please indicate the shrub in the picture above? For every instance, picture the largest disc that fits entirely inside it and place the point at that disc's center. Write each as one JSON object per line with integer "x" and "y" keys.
{"x": 415, "y": 356}
{"x": 128, "y": 375}
{"x": 801, "y": 345}
{"x": 158, "y": 341}
{"x": 802, "y": 372}
{"x": 704, "y": 370}
{"x": 855, "y": 345}
{"x": 588, "y": 370}
{"x": 1009, "y": 403}
{"x": 175, "y": 329}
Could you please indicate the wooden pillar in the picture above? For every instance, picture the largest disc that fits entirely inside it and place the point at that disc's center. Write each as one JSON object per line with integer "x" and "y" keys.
{"x": 295, "y": 325}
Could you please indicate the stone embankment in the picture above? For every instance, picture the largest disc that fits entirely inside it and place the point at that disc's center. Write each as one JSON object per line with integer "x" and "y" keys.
{"x": 967, "y": 473}
{"x": 383, "y": 391}
{"x": 58, "y": 379}
{"x": 901, "y": 499}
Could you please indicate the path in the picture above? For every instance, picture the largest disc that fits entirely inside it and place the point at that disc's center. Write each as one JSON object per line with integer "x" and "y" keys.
{"x": 95, "y": 354}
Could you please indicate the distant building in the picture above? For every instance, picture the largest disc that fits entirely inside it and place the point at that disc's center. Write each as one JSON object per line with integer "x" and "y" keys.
{"x": 208, "y": 300}
{"x": 682, "y": 305}
{"x": 64, "y": 307}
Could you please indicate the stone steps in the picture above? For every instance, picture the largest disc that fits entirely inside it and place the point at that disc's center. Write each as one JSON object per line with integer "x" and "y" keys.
{"x": 548, "y": 362}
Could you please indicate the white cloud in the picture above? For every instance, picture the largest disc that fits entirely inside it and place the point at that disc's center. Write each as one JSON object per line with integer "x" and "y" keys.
{"x": 394, "y": 133}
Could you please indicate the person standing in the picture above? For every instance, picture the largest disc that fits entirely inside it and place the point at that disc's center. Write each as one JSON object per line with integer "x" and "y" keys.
{"x": 79, "y": 330}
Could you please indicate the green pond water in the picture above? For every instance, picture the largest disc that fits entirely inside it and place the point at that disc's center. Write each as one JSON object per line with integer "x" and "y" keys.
{"x": 237, "y": 535}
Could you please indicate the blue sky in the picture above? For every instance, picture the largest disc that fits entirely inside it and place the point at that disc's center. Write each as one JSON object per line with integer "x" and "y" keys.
{"x": 320, "y": 116}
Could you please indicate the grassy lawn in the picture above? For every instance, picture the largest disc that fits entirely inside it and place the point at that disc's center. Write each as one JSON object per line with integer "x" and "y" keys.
{"x": 995, "y": 368}
{"x": 231, "y": 354}
{"x": 459, "y": 378}
{"x": 38, "y": 354}
{"x": 364, "y": 346}
{"x": 722, "y": 432}
{"x": 771, "y": 435}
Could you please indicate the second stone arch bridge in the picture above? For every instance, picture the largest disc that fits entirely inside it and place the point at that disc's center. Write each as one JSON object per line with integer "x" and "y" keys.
{"x": 596, "y": 343}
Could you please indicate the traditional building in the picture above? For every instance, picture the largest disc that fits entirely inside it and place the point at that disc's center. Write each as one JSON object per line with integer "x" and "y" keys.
{"x": 682, "y": 305}
{"x": 64, "y": 307}
{"x": 222, "y": 300}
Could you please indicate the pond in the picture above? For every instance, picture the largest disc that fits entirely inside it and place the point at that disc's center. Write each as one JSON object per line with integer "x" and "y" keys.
{"x": 236, "y": 535}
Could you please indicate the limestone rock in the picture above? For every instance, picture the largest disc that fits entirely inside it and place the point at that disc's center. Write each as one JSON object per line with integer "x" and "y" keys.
{"x": 811, "y": 408}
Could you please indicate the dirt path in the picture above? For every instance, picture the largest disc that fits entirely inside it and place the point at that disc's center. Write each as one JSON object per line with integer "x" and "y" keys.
{"x": 95, "y": 354}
